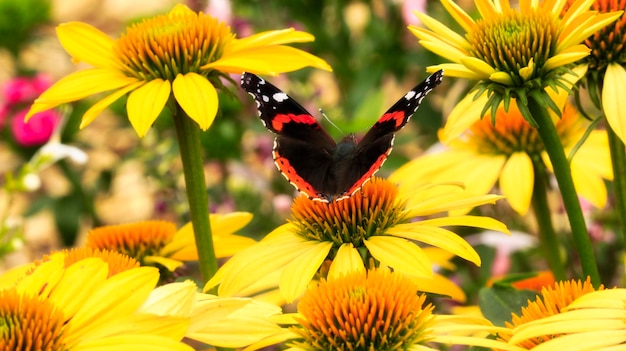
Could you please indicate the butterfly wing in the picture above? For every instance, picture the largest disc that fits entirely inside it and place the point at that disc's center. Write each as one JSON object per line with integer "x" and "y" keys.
{"x": 373, "y": 149}
{"x": 303, "y": 150}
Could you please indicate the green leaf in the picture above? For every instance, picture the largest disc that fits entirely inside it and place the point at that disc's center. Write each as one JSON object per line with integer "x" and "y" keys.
{"x": 498, "y": 302}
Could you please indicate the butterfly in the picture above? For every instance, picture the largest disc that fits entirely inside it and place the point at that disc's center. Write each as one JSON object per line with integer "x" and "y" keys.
{"x": 307, "y": 155}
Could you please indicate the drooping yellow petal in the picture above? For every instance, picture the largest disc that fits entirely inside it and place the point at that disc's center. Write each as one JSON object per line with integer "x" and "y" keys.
{"x": 146, "y": 103}
{"x": 123, "y": 293}
{"x": 466, "y": 221}
{"x": 301, "y": 269}
{"x": 612, "y": 99}
{"x": 197, "y": 97}
{"x": 459, "y": 15}
{"x": 400, "y": 254}
{"x": 517, "y": 181}
{"x": 79, "y": 85}
{"x": 589, "y": 184}
{"x": 477, "y": 65}
{"x": 438, "y": 237}
{"x": 88, "y": 44}
{"x": 573, "y": 54}
{"x": 466, "y": 113}
{"x": 269, "y": 38}
{"x": 95, "y": 110}
{"x": 170, "y": 264}
{"x": 439, "y": 284}
{"x": 91, "y": 272}
{"x": 173, "y": 299}
{"x": 445, "y": 34}
{"x": 346, "y": 261}
{"x": 267, "y": 60}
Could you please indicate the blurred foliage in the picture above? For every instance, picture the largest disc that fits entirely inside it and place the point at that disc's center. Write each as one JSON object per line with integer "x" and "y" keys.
{"x": 19, "y": 20}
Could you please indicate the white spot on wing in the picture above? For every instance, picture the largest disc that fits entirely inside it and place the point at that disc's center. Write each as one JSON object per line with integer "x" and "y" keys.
{"x": 265, "y": 98}
{"x": 409, "y": 95}
{"x": 280, "y": 97}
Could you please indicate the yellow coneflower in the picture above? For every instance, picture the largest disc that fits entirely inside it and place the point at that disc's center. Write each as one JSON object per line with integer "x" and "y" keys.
{"x": 513, "y": 52}
{"x": 571, "y": 315}
{"x": 501, "y": 153}
{"x": 376, "y": 310}
{"x": 159, "y": 242}
{"x": 179, "y": 55}
{"x": 371, "y": 228}
{"x": 606, "y": 65}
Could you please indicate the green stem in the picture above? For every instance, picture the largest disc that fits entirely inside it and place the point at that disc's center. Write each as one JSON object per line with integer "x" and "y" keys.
{"x": 193, "y": 168}
{"x": 548, "y": 239}
{"x": 547, "y": 132}
{"x": 618, "y": 159}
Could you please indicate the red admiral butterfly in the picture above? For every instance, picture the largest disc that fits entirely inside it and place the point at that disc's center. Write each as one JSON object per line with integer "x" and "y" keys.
{"x": 309, "y": 157}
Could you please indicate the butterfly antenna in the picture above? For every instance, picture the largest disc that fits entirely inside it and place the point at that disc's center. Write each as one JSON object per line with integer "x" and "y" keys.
{"x": 329, "y": 121}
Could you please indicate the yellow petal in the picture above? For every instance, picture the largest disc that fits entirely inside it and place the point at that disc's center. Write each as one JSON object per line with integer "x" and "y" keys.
{"x": 502, "y": 78}
{"x": 400, "y": 254}
{"x": 90, "y": 272}
{"x": 146, "y": 103}
{"x": 118, "y": 296}
{"x": 79, "y": 85}
{"x": 267, "y": 60}
{"x": 438, "y": 237}
{"x": 612, "y": 95}
{"x": 459, "y": 15}
{"x": 441, "y": 32}
{"x": 301, "y": 270}
{"x": 95, "y": 110}
{"x": 173, "y": 299}
{"x": 441, "y": 285}
{"x": 477, "y": 65}
{"x": 576, "y": 53}
{"x": 132, "y": 342}
{"x": 516, "y": 181}
{"x": 197, "y": 97}
{"x": 466, "y": 221}
{"x": 88, "y": 44}
{"x": 346, "y": 261}
{"x": 466, "y": 113}
{"x": 168, "y": 263}
{"x": 267, "y": 38}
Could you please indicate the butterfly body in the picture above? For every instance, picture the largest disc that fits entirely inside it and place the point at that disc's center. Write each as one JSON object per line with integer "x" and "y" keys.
{"x": 310, "y": 158}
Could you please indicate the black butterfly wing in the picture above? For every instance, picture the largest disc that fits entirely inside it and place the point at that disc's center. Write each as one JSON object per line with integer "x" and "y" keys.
{"x": 373, "y": 149}
{"x": 303, "y": 150}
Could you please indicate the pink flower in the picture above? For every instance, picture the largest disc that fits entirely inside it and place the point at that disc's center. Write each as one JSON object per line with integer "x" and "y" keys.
{"x": 37, "y": 131}
{"x": 408, "y": 6}
{"x": 25, "y": 89}
{"x": 4, "y": 113}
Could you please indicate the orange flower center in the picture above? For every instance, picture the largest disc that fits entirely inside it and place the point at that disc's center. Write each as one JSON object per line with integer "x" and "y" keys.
{"x": 166, "y": 45}
{"x": 379, "y": 310}
{"x": 136, "y": 240}
{"x": 367, "y": 213}
{"x": 551, "y": 302}
{"x": 29, "y": 323}
{"x": 510, "y": 132}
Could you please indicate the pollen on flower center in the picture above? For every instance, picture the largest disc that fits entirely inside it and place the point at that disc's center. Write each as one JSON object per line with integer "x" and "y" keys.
{"x": 368, "y": 212}
{"x": 514, "y": 41}
{"x": 166, "y": 45}
{"x": 29, "y": 323}
{"x": 379, "y": 310}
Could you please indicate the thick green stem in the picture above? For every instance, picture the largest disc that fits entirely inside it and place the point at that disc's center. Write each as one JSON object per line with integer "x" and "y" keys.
{"x": 618, "y": 159}
{"x": 193, "y": 168}
{"x": 562, "y": 172}
{"x": 549, "y": 241}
